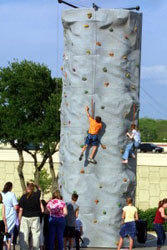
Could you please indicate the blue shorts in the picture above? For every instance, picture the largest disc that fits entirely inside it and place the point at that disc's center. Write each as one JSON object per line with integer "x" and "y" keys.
{"x": 92, "y": 140}
{"x": 161, "y": 237}
{"x": 128, "y": 229}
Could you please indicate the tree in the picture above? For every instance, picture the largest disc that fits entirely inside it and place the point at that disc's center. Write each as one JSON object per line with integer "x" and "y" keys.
{"x": 29, "y": 112}
{"x": 45, "y": 182}
{"x": 148, "y": 129}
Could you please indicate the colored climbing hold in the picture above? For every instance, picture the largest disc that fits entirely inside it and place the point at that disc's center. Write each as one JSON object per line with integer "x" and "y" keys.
{"x": 102, "y": 107}
{"x": 126, "y": 37}
{"x": 119, "y": 204}
{"x": 95, "y": 221}
{"x": 86, "y": 26}
{"x": 100, "y": 186}
{"x": 81, "y": 146}
{"x": 84, "y": 79}
{"x": 103, "y": 146}
{"x": 61, "y": 68}
{"x": 69, "y": 122}
{"x": 111, "y": 30}
{"x": 98, "y": 43}
{"x": 106, "y": 84}
{"x": 111, "y": 54}
{"x": 96, "y": 201}
{"x": 135, "y": 29}
{"x": 74, "y": 69}
{"x": 105, "y": 69}
{"x": 86, "y": 92}
{"x": 121, "y": 150}
{"x": 82, "y": 171}
{"x": 125, "y": 57}
{"x": 133, "y": 87}
{"x": 104, "y": 212}
{"x": 125, "y": 180}
{"x": 89, "y": 15}
{"x": 88, "y": 52}
{"x": 128, "y": 75}
{"x": 65, "y": 75}
{"x": 116, "y": 243}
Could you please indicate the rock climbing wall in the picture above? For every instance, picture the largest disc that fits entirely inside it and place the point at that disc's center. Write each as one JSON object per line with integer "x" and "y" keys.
{"x": 101, "y": 62}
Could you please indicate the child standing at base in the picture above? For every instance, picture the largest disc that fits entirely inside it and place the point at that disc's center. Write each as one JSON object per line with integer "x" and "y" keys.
{"x": 73, "y": 211}
{"x": 95, "y": 125}
{"x": 3, "y": 224}
{"x": 158, "y": 223}
{"x": 129, "y": 216}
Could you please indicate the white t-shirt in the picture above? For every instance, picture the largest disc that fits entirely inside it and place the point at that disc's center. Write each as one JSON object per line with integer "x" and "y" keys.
{"x": 137, "y": 136}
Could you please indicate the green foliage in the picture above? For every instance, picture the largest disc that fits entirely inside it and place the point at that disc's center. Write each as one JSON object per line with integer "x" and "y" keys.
{"x": 153, "y": 130}
{"x": 29, "y": 105}
{"x": 149, "y": 215}
{"x": 45, "y": 181}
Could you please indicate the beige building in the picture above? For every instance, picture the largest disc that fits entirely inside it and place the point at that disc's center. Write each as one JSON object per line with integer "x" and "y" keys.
{"x": 151, "y": 174}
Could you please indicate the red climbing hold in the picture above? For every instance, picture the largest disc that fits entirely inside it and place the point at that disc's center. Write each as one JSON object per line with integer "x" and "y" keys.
{"x": 111, "y": 54}
{"x": 96, "y": 201}
{"x": 126, "y": 37}
{"x": 65, "y": 75}
{"x": 82, "y": 171}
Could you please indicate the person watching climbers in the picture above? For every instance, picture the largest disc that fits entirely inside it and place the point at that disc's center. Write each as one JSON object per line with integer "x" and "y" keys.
{"x": 10, "y": 203}
{"x": 95, "y": 125}
{"x": 58, "y": 210}
{"x": 129, "y": 216}
{"x": 29, "y": 216}
{"x": 159, "y": 220}
{"x": 3, "y": 223}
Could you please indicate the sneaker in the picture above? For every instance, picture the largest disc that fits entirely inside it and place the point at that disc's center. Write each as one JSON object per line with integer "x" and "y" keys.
{"x": 80, "y": 158}
{"x": 92, "y": 161}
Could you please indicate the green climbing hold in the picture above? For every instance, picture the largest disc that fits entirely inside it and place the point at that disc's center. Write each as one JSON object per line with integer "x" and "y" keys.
{"x": 81, "y": 146}
{"x": 88, "y": 52}
{"x": 84, "y": 79}
{"x": 86, "y": 92}
{"x": 102, "y": 107}
{"x": 119, "y": 204}
{"x": 104, "y": 212}
{"x": 100, "y": 186}
{"x": 104, "y": 69}
{"x": 111, "y": 30}
{"x": 128, "y": 75}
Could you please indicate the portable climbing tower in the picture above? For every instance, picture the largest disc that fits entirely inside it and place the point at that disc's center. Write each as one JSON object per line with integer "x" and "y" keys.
{"x": 101, "y": 63}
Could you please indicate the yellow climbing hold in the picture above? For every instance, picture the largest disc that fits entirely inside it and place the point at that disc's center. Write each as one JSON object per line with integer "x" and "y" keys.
{"x": 135, "y": 29}
{"x": 62, "y": 68}
{"x": 86, "y": 26}
{"x": 98, "y": 43}
{"x": 89, "y": 15}
{"x": 133, "y": 87}
{"x": 127, "y": 75}
{"x": 125, "y": 57}
{"x": 88, "y": 52}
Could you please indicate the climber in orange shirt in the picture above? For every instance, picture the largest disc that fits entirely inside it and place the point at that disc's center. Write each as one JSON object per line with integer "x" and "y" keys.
{"x": 95, "y": 125}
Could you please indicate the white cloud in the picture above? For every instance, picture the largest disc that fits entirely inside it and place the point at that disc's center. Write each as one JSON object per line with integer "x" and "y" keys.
{"x": 156, "y": 73}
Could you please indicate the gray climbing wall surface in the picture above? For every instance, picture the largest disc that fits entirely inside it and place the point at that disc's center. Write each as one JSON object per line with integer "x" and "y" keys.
{"x": 101, "y": 61}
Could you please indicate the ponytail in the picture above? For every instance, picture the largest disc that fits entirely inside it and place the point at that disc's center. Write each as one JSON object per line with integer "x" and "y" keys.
{"x": 161, "y": 203}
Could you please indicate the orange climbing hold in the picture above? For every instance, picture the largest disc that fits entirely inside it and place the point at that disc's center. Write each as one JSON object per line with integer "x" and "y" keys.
{"x": 98, "y": 43}
{"x": 86, "y": 26}
{"x": 96, "y": 201}
{"x": 111, "y": 54}
{"x": 103, "y": 146}
{"x": 106, "y": 84}
{"x": 125, "y": 180}
{"x": 82, "y": 171}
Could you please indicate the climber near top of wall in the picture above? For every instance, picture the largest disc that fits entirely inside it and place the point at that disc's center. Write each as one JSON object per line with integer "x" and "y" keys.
{"x": 134, "y": 142}
{"x": 95, "y": 125}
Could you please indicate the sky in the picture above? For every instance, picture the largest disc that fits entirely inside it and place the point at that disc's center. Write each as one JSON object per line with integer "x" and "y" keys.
{"x": 32, "y": 30}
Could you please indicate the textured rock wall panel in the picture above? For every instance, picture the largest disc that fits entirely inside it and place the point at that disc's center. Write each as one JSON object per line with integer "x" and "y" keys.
{"x": 101, "y": 61}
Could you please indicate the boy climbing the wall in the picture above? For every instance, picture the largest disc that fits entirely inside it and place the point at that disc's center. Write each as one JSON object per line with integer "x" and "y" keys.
{"x": 95, "y": 125}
